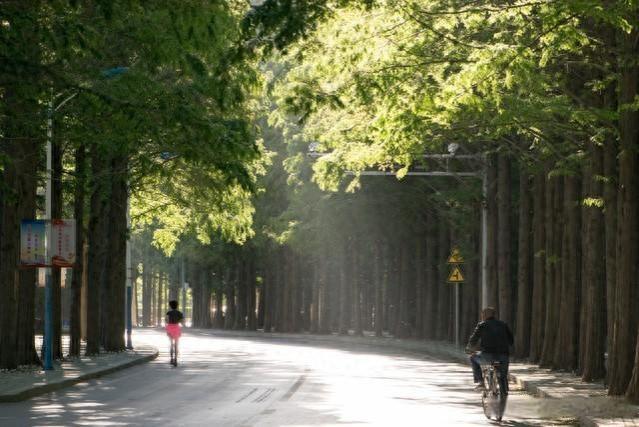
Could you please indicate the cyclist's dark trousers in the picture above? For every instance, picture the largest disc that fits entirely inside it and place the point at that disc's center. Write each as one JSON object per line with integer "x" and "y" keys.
{"x": 477, "y": 359}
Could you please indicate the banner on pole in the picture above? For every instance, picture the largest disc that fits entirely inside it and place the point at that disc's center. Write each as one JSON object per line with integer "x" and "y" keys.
{"x": 63, "y": 242}
{"x": 32, "y": 249}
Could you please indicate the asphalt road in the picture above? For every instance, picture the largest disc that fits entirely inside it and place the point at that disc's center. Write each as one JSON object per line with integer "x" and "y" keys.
{"x": 242, "y": 381}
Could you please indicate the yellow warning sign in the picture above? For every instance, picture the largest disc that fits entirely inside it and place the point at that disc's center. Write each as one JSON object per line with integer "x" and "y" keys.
{"x": 456, "y": 275}
{"x": 455, "y": 257}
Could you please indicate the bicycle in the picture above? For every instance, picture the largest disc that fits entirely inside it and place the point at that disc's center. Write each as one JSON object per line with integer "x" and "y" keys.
{"x": 495, "y": 394}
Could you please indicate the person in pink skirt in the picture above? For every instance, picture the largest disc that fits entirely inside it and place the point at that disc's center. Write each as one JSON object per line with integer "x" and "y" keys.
{"x": 174, "y": 320}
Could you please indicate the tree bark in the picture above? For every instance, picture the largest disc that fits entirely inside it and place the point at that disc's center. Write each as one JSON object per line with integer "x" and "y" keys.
{"x": 315, "y": 305}
{"x": 524, "y": 276}
{"x": 504, "y": 233}
{"x": 113, "y": 305}
{"x": 379, "y": 288}
{"x": 624, "y": 359}
{"x": 269, "y": 289}
{"x": 566, "y": 351}
{"x": 402, "y": 327}
{"x": 432, "y": 285}
{"x": 251, "y": 322}
{"x": 538, "y": 313}
{"x": 493, "y": 227}
{"x": 553, "y": 268}
{"x": 242, "y": 294}
{"x": 324, "y": 298}
{"x": 443, "y": 306}
{"x": 344, "y": 305}
{"x": 357, "y": 293}
{"x": 80, "y": 238}
{"x": 56, "y": 272}
{"x": 420, "y": 297}
{"x": 97, "y": 236}
{"x": 594, "y": 319}
{"x": 229, "y": 318}
{"x": 26, "y": 353}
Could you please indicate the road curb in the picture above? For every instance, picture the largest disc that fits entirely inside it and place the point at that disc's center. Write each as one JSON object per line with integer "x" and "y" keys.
{"x": 67, "y": 382}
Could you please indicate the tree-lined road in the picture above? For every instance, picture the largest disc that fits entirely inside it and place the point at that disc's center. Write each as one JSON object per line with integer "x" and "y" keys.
{"x": 242, "y": 381}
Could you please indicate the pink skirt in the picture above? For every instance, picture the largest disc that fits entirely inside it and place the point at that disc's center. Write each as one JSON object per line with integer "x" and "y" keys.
{"x": 173, "y": 330}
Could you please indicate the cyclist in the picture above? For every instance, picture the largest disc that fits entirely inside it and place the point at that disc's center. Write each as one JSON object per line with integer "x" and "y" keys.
{"x": 174, "y": 318}
{"x": 494, "y": 338}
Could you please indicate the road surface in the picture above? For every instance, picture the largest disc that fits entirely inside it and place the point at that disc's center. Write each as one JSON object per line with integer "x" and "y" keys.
{"x": 242, "y": 381}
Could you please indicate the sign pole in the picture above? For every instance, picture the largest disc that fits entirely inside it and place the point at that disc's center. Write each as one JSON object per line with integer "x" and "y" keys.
{"x": 455, "y": 260}
{"x": 47, "y": 341}
{"x": 457, "y": 314}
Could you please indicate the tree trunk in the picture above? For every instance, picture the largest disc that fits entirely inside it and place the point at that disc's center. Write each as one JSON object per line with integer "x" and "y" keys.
{"x": 623, "y": 347}
{"x": 493, "y": 232}
{"x": 504, "y": 233}
{"x": 324, "y": 298}
{"x": 524, "y": 276}
{"x": 610, "y": 222}
{"x": 420, "y": 296}
{"x": 242, "y": 294}
{"x": 344, "y": 303}
{"x": 553, "y": 268}
{"x": 432, "y": 284}
{"x": 357, "y": 293}
{"x": 594, "y": 320}
{"x": 251, "y": 323}
{"x": 26, "y": 353}
{"x": 315, "y": 305}
{"x": 162, "y": 282}
{"x": 80, "y": 237}
{"x": 218, "y": 321}
{"x": 538, "y": 312}
{"x": 379, "y": 291}
{"x": 19, "y": 149}
{"x": 269, "y": 289}
{"x": 566, "y": 351}
{"x": 402, "y": 328}
{"x": 56, "y": 272}
{"x": 146, "y": 292}
{"x": 229, "y": 318}
{"x": 443, "y": 306}
{"x": 97, "y": 236}
{"x": 114, "y": 303}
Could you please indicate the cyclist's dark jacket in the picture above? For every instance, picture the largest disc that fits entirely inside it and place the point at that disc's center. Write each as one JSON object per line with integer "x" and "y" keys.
{"x": 174, "y": 316}
{"x": 493, "y": 336}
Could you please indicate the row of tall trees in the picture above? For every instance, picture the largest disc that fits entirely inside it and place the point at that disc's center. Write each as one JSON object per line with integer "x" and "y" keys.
{"x": 144, "y": 100}
{"x": 546, "y": 90}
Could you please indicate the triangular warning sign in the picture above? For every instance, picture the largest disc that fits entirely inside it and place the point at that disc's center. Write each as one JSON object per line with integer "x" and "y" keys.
{"x": 455, "y": 257}
{"x": 456, "y": 275}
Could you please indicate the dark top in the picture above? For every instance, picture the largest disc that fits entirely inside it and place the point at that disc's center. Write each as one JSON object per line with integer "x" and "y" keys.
{"x": 493, "y": 336}
{"x": 174, "y": 316}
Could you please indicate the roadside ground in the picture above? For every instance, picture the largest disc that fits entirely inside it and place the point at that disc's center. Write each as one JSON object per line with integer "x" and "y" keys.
{"x": 23, "y": 384}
